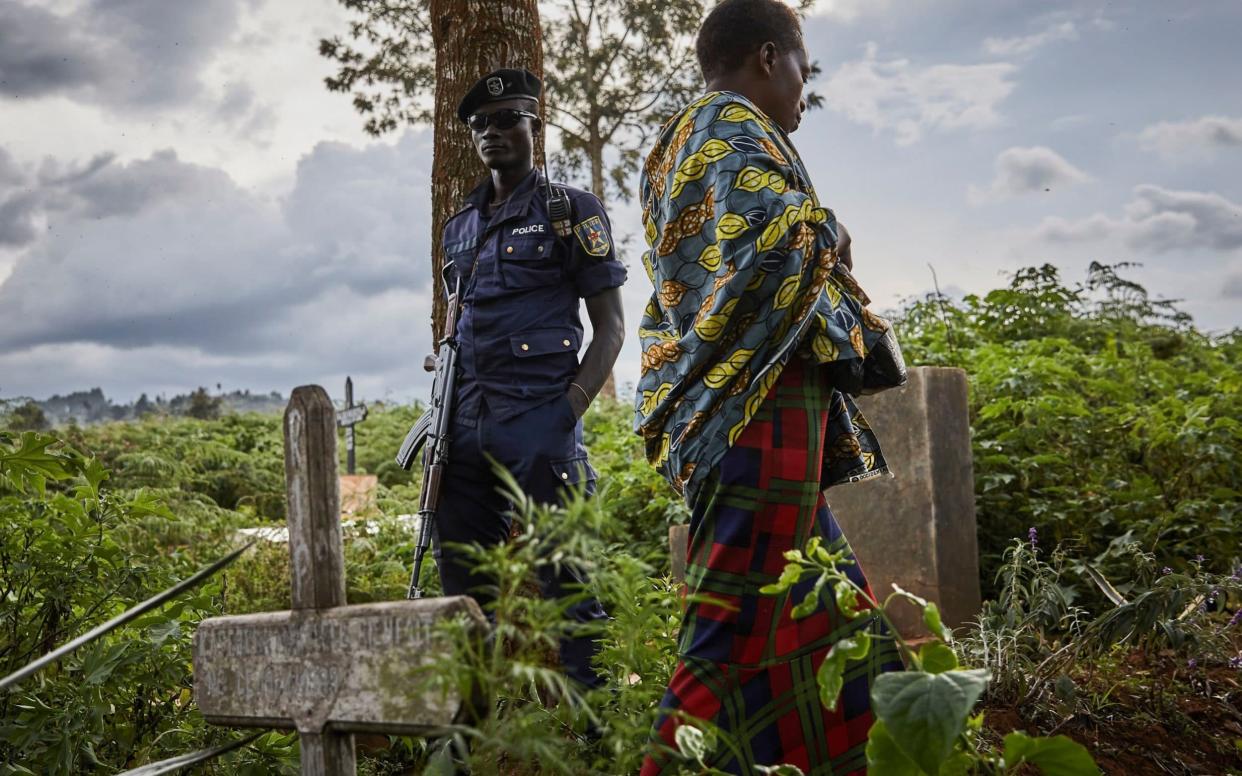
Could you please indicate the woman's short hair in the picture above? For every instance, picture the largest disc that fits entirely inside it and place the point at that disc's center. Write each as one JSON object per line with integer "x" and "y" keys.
{"x": 736, "y": 28}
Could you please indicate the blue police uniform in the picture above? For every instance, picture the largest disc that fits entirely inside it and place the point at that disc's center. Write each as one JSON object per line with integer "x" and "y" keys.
{"x": 519, "y": 333}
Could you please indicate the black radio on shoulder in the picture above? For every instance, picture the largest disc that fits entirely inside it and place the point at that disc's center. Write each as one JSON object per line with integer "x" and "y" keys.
{"x": 560, "y": 212}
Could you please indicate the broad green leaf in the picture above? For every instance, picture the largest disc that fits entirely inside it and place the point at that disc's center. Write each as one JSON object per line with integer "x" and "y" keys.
{"x": 831, "y": 674}
{"x": 931, "y": 618}
{"x": 831, "y": 678}
{"x": 884, "y": 757}
{"x": 789, "y": 577}
{"x": 811, "y": 602}
{"x": 926, "y": 712}
{"x": 1055, "y": 756}
{"x": 959, "y": 764}
{"x": 936, "y": 658}
{"x": 847, "y": 599}
{"x": 161, "y": 632}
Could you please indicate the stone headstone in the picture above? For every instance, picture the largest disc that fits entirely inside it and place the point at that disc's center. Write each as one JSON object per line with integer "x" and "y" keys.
{"x": 916, "y": 529}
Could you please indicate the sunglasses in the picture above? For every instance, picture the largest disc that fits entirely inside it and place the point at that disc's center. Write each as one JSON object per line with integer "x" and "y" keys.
{"x": 505, "y": 118}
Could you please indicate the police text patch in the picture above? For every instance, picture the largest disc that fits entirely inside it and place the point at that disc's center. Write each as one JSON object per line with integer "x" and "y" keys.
{"x": 593, "y": 236}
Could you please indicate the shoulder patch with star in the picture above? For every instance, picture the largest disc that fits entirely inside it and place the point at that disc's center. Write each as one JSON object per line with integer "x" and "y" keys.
{"x": 593, "y": 236}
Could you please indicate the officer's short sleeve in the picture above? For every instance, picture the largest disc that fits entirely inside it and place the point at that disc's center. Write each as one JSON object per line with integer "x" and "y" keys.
{"x": 593, "y": 258}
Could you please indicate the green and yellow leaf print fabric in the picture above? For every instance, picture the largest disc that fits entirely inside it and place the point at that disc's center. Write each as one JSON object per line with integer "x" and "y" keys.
{"x": 743, "y": 262}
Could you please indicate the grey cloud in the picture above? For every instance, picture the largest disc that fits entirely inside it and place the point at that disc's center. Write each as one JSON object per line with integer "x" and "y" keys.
{"x": 1159, "y": 220}
{"x": 17, "y": 217}
{"x": 10, "y": 173}
{"x": 97, "y": 189}
{"x": 1202, "y": 134}
{"x": 54, "y": 173}
{"x": 159, "y": 252}
{"x": 239, "y": 108}
{"x": 906, "y": 99}
{"x": 1025, "y": 44}
{"x": 1204, "y": 218}
{"x": 1026, "y": 170}
{"x": 237, "y": 102}
{"x": 1232, "y": 287}
{"x": 117, "y": 53}
{"x": 43, "y": 53}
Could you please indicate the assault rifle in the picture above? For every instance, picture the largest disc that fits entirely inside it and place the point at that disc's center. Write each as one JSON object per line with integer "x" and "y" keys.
{"x": 432, "y": 431}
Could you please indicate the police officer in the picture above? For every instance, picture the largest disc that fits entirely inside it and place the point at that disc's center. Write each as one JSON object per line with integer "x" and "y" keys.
{"x": 522, "y": 389}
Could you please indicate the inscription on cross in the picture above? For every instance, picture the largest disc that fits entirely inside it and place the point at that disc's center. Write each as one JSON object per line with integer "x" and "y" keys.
{"x": 325, "y": 669}
{"x": 348, "y": 418}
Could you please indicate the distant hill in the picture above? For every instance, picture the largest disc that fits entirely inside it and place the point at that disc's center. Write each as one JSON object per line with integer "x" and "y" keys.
{"x": 88, "y": 407}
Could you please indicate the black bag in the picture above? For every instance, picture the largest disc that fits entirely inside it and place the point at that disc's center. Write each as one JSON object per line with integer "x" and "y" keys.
{"x": 883, "y": 368}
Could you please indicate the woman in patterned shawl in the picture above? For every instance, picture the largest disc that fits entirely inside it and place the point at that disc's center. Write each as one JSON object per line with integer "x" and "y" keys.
{"x": 754, "y": 336}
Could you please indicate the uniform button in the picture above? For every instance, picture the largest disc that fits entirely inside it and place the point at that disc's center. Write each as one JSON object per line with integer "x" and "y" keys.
{"x": 565, "y": 343}
{"x": 509, "y": 249}
{"x": 541, "y": 249}
{"x": 525, "y": 346}
{"x": 564, "y": 475}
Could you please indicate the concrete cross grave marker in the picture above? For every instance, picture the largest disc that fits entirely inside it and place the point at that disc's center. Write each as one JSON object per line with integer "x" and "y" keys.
{"x": 348, "y": 418}
{"x": 325, "y": 669}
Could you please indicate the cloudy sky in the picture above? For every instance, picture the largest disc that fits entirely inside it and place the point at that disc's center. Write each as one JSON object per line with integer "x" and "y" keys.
{"x": 182, "y": 203}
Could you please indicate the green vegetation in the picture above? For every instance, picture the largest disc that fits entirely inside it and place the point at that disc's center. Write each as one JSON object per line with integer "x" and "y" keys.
{"x": 1101, "y": 418}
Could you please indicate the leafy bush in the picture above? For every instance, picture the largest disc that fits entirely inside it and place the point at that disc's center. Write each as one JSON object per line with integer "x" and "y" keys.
{"x": 1097, "y": 412}
{"x": 65, "y": 568}
{"x": 923, "y": 714}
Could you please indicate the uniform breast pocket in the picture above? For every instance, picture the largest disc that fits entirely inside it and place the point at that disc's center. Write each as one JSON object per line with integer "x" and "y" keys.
{"x": 529, "y": 262}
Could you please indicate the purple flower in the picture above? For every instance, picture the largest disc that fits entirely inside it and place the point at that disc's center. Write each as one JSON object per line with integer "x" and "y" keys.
{"x": 1236, "y": 661}
{"x": 1237, "y": 618}
{"x": 1237, "y": 574}
{"x": 1192, "y": 664}
{"x": 1166, "y": 571}
{"x": 1033, "y": 535}
{"x": 1199, "y": 559}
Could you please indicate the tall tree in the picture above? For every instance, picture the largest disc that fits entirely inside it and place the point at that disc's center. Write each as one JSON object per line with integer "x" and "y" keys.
{"x": 617, "y": 68}
{"x": 410, "y": 61}
{"x": 470, "y": 38}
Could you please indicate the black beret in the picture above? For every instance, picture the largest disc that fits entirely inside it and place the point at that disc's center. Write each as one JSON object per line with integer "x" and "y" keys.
{"x": 503, "y": 84}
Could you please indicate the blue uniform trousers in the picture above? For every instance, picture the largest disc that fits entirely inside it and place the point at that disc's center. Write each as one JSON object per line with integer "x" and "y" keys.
{"x": 542, "y": 448}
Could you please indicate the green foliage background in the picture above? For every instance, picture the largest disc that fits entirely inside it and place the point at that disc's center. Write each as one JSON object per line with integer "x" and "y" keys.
{"x": 1100, "y": 416}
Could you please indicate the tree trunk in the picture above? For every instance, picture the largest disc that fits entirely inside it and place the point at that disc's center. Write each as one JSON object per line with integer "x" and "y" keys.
{"x": 471, "y": 38}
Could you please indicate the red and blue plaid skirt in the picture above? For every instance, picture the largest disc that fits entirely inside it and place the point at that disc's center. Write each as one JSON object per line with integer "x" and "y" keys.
{"x": 747, "y": 667}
